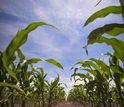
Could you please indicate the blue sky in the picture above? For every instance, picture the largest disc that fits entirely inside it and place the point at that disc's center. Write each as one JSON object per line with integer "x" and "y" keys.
{"x": 46, "y": 42}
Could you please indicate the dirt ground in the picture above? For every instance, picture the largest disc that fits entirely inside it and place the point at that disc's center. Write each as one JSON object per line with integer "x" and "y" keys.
{"x": 59, "y": 104}
{"x": 70, "y": 104}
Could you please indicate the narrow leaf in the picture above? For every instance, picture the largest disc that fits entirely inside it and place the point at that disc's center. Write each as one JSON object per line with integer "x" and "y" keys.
{"x": 117, "y": 45}
{"x": 4, "y": 84}
{"x": 33, "y": 60}
{"x": 20, "y": 55}
{"x": 80, "y": 75}
{"x": 113, "y": 29}
{"x": 98, "y": 3}
{"x": 17, "y": 41}
{"x": 105, "y": 68}
{"x": 103, "y": 13}
{"x": 54, "y": 62}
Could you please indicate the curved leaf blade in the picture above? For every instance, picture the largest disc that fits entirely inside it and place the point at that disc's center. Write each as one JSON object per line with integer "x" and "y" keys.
{"x": 117, "y": 45}
{"x": 80, "y": 75}
{"x": 103, "y": 66}
{"x": 54, "y": 62}
{"x": 19, "y": 39}
{"x": 93, "y": 72}
{"x": 33, "y": 60}
{"x": 20, "y": 55}
{"x": 113, "y": 29}
{"x": 103, "y": 13}
{"x": 4, "y": 84}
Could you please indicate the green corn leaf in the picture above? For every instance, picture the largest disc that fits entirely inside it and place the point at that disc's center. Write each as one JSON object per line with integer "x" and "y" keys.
{"x": 98, "y": 3}
{"x": 11, "y": 72}
{"x": 117, "y": 45}
{"x": 55, "y": 82}
{"x": 80, "y": 85}
{"x": 42, "y": 71}
{"x": 82, "y": 64}
{"x": 79, "y": 80}
{"x": 93, "y": 72}
{"x": 20, "y": 55}
{"x": 113, "y": 29}
{"x": 6, "y": 98}
{"x": 12, "y": 59}
{"x": 118, "y": 81}
{"x": 54, "y": 62}
{"x": 103, "y": 13}
{"x": 4, "y": 84}
{"x": 17, "y": 41}
{"x": 21, "y": 64}
{"x": 117, "y": 69}
{"x": 32, "y": 66}
{"x": 80, "y": 75}
{"x": 96, "y": 73}
{"x": 114, "y": 65}
{"x": 109, "y": 54}
{"x": 65, "y": 85}
{"x": 33, "y": 60}
{"x": 47, "y": 82}
{"x": 95, "y": 66}
{"x": 102, "y": 65}
{"x": 121, "y": 2}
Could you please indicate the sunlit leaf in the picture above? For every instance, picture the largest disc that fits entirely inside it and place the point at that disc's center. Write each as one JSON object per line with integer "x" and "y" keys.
{"x": 54, "y": 62}
{"x": 103, "y": 13}
{"x": 117, "y": 45}
{"x": 93, "y": 72}
{"x": 54, "y": 83}
{"x": 21, "y": 64}
{"x": 17, "y": 41}
{"x": 96, "y": 67}
{"x": 4, "y": 84}
{"x": 80, "y": 75}
{"x": 109, "y": 54}
{"x": 20, "y": 55}
{"x": 102, "y": 65}
{"x": 33, "y": 60}
{"x": 113, "y": 29}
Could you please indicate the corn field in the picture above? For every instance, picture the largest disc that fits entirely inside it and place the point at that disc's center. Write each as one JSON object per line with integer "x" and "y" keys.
{"x": 17, "y": 82}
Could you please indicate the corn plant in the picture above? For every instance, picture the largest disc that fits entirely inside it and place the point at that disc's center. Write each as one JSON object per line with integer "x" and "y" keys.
{"x": 78, "y": 94}
{"x": 54, "y": 90}
{"x": 113, "y": 29}
{"x": 19, "y": 73}
{"x": 40, "y": 85}
{"x": 102, "y": 72}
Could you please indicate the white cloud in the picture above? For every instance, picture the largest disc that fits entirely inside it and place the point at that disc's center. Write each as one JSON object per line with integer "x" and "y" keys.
{"x": 46, "y": 42}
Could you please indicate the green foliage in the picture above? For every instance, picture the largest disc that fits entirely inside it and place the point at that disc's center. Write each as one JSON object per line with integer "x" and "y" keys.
{"x": 15, "y": 77}
{"x": 103, "y": 13}
{"x": 98, "y": 89}
{"x": 17, "y": 41}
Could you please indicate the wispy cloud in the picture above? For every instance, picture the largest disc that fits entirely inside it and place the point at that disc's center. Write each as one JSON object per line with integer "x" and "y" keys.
{"x": 46, "y": 42}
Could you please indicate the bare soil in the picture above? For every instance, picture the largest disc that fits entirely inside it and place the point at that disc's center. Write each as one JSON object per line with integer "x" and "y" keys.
{"x": 59, "y": 104}
{"x": 70, "y": 104}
